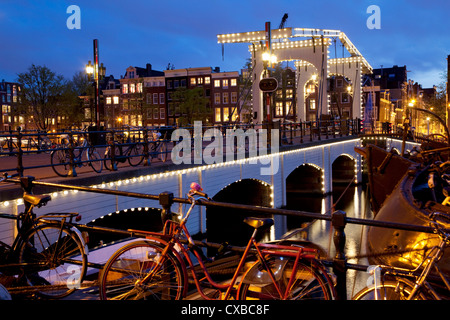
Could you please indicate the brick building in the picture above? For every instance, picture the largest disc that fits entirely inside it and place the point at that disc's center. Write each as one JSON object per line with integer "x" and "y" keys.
{"x": 9, "y": 95}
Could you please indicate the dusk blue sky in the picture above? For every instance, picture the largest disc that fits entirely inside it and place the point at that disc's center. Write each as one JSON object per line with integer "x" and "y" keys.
{"x": 184, "y": 33}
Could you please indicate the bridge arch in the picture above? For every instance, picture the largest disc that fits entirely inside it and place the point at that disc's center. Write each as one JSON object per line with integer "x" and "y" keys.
{"x": 221, "y": 225}
{"x": 305, "y": 189}
{"x": 141, "y": 218}
{"x": 343, "y": 170}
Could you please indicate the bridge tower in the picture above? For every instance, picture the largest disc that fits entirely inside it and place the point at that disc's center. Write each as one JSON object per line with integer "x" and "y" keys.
{"x": 312, "y": 61}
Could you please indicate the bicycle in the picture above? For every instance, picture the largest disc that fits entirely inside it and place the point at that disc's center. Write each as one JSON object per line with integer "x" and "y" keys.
{"x": 158, "y": 147}
{"x": 64, "y": 161}
{"x": 394, "y": 283}
{"x": 157, "y": 268}
{"x": 115, "y": 153}
{"x": 43, "y": 143}
{"x": 48, "y": 254}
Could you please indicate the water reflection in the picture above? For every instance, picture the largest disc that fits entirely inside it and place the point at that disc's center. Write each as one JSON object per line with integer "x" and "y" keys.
{"x": 355, "y": 203}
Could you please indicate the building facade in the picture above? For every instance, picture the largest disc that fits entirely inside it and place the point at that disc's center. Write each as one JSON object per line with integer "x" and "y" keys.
{"x": 225, "y": 93}
{"x": 9, "y": 96}
{"x": 135, "y": 109}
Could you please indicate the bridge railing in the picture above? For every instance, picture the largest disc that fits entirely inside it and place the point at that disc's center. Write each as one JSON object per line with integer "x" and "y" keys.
{"x": 18, "y": 143}
{"x": 339, "y": 220}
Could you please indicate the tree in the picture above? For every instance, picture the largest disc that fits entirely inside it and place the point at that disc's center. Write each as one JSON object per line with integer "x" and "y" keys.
{"x": 41, "y": 96}
{"x": 192, "y": 105}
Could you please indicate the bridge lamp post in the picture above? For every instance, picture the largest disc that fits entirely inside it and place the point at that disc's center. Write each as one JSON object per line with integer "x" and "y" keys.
{"x": 269, "y": 59}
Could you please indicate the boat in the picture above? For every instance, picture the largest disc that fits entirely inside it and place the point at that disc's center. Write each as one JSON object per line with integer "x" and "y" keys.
{"x": 406, "y": 189}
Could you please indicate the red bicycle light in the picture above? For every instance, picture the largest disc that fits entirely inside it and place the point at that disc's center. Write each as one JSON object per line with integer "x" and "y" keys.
{"x": 195, "y": 186}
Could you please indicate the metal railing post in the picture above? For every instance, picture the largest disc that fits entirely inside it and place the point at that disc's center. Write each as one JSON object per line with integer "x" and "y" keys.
{"x": 338, "y": 220}
{"x": 166, "y": 201}
{"x": 72, "y": 172}
{"x": 146, "y": 155}
{"x": 113, "y": 151}
{"x": 19, "y": 152}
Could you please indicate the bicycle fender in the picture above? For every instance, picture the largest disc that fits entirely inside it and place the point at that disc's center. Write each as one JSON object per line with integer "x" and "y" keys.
{"x": 80, "y": 236}
{"x": 257, "y": 275}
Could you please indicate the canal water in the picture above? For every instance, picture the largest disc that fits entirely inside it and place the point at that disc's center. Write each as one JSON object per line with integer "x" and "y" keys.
{"x": 355, "y": 203}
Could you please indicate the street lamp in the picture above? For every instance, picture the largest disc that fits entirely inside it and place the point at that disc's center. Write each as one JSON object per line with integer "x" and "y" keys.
{"x": 90, "y": 69}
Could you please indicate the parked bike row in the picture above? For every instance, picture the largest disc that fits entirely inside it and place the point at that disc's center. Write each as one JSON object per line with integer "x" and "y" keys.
{"x": 49, "y": 258}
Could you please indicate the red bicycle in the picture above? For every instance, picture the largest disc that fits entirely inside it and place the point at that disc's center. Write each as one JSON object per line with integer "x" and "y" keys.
{"x": 158, "y": 268}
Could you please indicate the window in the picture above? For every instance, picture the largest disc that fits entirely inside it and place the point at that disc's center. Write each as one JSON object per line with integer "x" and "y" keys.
{"x": 207, "y": 80}
{"x": 345, "y": 97}
{"x": 193, "y": 82}
{"x": 161, "y": 98}
{"x": 217, "y": 83}
{"x": 226, "y": 114}
{"x": 279, "y": 109}
{"x": 116, "y": 100}
{"x": 216, "y": 98}
{"x": 225, "y": 83}
{"x": 155, "y": 98}
{"x": 171, "y": 108}
{"x": 233, "y": 82}
{"x": 225, "y": 98}
{"x": 162, "y": 113}
{"x": 125, "y": 88}
{"x": 289, "y": 93}
{"x": 233, "y": 97}
{"x": 108, "y": 100}
{"x": 131, "y": 74}
{"x": 149, "y": 98}
{"x": 339, "y": 83}
{"x": 139, "y": 87}
{"x": 132, "y": 88}
{"x": 235, "y": 115}
{"x": 218, "y": 115}
{"x": 156, "y": 113}
{"x": 312, "y": 104}
{"x": 176, "y": 83}
{"x": 200, "y": 81}
{"x": 169, "y": 84}
{"x": 183, "y": 83}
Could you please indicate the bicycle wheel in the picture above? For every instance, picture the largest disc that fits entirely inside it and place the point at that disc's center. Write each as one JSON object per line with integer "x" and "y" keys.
{"x": 308, "y": 282}
{"x": 94, "y": 160}
{"x": 135, "y": 154}
{"x": 54, "y": 260}
{"x": 390, "y": 290}
{"x": 133, "y": 262}
{"x": 108, "y": 162}
{"x": 60, "y": 160}
{"x": 163, "y": 152}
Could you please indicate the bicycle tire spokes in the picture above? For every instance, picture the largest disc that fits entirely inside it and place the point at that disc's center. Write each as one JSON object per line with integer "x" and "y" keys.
{"x": 53, "y": 259}
{"x": 139, "y": 272}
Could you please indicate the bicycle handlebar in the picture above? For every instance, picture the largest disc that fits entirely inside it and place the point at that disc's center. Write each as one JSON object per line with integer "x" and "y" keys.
{"x": 196, "y": 189}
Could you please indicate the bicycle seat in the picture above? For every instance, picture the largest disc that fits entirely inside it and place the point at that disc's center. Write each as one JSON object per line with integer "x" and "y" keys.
{"x": 36, "y": 200}
{"x": 259, "y": 222}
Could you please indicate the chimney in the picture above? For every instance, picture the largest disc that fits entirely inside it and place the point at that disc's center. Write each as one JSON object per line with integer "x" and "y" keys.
{"x": 149, "y": 68}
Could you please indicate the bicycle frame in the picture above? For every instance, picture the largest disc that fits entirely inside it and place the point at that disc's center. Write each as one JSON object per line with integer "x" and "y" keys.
{"x": 173, "y": 231}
